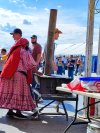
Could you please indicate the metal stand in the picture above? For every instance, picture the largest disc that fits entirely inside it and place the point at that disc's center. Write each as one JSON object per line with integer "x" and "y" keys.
{"x": 76, "y": 112}
{"x": 63, "y": 105}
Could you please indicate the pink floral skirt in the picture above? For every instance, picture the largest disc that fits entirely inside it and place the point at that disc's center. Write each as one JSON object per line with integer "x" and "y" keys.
{"x": 15, "y": 93}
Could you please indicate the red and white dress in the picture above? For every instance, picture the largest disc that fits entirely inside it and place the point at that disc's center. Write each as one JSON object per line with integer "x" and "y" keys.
{"x": 15, "y": 92}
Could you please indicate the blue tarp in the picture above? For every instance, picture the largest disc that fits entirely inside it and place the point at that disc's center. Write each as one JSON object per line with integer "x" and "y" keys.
{"x": 90, "y": 78}
{"x": 94, "y": 63}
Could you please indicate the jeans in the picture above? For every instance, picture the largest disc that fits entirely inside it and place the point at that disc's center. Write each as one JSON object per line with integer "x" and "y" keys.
{"x": 77, "y": 68}
{"x": 60, "y": 70}
{"x": 34, "y": 89}
{"x": 70, "y": 73}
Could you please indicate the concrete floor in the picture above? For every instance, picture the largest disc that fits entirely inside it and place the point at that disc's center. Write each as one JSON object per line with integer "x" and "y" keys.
{"x": 46, "y": 124}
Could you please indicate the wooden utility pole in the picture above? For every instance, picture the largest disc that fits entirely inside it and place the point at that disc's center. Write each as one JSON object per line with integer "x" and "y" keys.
{"x": 89, "y": 42}
{"x": 98, "y": 65}
{"x": 97, "y": 106}
{"x": 50, "y": 42}
{"x": 89, "y": 37}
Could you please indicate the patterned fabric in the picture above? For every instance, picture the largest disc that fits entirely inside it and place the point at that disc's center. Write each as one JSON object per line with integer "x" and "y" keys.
{"x": 15, "y": 92}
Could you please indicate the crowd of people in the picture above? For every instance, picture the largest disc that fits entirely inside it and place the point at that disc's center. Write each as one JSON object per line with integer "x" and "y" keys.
{"x": 72, "y": 64}
{"x": 17, "y": 68}
{"x": 66, "y": 65}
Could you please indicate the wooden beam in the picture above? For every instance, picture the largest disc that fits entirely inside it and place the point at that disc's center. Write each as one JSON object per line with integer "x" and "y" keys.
{"x": 89, "y": 43}
{"x": 98, "y": 65}
{"x": 89, "y": 37}
{"x": 97, "y": 106}
{"x": 50, "y": 41}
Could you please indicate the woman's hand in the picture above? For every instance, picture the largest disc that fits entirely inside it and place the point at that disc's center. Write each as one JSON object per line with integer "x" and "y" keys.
{"x": 37, "y": 72}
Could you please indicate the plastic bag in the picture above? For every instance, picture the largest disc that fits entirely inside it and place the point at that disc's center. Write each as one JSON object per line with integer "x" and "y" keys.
{"x": 93, "y": 86}
{"x": 76, "y": 84}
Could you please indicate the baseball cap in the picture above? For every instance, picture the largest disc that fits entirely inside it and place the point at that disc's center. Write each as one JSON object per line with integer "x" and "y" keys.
{"x": 17, "y": 30}
{"x": 34, "y": 36}
{"x": 58, "y": 31}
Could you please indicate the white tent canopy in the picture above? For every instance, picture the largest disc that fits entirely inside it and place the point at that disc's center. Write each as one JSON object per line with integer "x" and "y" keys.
{"x": 74, "y": 49}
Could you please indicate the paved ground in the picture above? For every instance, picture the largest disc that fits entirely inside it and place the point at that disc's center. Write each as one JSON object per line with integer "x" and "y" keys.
{"x": 47, "y": 124}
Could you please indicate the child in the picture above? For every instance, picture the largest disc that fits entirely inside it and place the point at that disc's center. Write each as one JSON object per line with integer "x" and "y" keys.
{"x": 3, "y": 57}
{"x": 60, "y": 66}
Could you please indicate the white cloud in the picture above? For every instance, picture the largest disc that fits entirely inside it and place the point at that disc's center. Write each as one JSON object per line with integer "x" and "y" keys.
{"x": 25, "y": 21}
{"x": 17, "y": 19}
{"x": 12, "y": 1}
{"x": 73, "y": 33}
{"x": 47, "y": 10}
{"x": 7, "y": 27}
{"x": 28, "y": 7}
{"x": 16, "y": 1}
{"x": 59, "y": 6}
{"x": 6, "y": 41}
{"x": 21, "y": 4}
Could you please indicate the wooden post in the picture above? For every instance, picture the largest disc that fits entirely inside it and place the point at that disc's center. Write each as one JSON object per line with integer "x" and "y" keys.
{"x": 50, "y": 41}
{"x": 89, "y": 38}
{"x": 89, "y": 42}
{"x": 97, "y": 106}
{"x": 98, "y": 65}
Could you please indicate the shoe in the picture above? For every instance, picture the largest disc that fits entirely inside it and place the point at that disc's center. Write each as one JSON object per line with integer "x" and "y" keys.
{"x": 40, "y": 100}
{"x": 20, "y": 116}
{"x": 57, "y": 106}
{"x": 35, "y": 116}
{"x": 10, "y": 114}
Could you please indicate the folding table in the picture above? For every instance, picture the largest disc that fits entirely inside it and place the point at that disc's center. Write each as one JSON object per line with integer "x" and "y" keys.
{"x": 87, "y": 94}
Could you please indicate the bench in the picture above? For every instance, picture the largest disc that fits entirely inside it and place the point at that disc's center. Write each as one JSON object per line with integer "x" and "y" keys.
{"x": 47, "y": 89}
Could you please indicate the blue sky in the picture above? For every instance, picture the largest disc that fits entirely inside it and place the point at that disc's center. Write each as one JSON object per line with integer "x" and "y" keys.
{"x": 74, "y": 4}
{"x": 32, "y": 16}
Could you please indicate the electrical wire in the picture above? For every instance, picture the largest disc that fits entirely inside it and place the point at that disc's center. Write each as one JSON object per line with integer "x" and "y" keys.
{"x": 71, "y": 47}
{"x": 75, "y": 47}
{"x": 67, "y": 47}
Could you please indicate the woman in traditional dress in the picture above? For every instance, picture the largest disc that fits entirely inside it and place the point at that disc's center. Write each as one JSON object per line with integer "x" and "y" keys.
{"x": 14, "y": 79}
